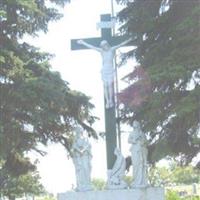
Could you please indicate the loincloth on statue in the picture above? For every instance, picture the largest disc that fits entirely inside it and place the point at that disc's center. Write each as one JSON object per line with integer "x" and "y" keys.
{"x": 107, "y": 75}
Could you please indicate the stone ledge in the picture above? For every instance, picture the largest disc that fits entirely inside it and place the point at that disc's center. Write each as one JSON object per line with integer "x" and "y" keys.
{"x": 149, "y": 193}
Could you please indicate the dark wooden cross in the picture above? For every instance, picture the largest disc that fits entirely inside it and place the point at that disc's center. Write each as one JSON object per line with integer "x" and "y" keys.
{"x": 110, "y": 116}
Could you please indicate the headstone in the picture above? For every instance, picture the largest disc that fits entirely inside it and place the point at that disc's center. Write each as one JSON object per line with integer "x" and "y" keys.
{"x": 194, "y": 188}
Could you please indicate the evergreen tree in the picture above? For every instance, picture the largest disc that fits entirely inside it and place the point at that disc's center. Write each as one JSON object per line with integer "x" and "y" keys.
{"x": 36, "y": 105}
{"x": 27, "y": 184}
{"x": 164, "y": 90}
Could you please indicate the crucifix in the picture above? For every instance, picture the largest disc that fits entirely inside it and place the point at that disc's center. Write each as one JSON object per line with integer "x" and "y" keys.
{"x": 106, "y": 45}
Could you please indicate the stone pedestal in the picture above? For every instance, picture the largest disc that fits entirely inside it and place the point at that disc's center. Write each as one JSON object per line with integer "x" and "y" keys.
{"x": 149, "y": 193}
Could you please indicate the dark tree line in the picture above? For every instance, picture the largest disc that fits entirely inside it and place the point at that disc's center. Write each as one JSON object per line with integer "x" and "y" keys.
{"x": 164, "y": 89}
{"x": 36, "y": 105}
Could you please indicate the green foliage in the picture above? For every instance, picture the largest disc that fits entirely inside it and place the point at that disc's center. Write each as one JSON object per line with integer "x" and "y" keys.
{"x": 192, "y": 198}
{"x": 48, "y": 197}
{"x": 172, "y": 195}
{"x": 24, "y": 184}
{"x": 173, "y": 175}
{"x": 36, "y": 105}
{"x": 160, "y": 176}
{"x": 98, "y": 184}
{"x": 128, "y": 180}
{"x": 185, "y": 175}
{"x": 166, "y": 34}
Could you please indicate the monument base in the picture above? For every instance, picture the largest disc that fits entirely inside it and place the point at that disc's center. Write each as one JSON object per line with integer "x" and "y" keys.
{"x": 149, "y": 193}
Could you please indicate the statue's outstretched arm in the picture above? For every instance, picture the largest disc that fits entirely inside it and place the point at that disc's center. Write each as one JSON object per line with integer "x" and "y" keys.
{"x": 88, "y": 45}
{"x": 121, "y": 44}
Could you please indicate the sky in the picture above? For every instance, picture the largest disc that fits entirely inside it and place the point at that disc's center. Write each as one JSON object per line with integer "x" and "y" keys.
{"x": 82, "y": 70}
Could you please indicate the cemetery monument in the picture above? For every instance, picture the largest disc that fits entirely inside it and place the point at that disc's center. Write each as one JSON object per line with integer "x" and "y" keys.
{"x": 116, "y": 188}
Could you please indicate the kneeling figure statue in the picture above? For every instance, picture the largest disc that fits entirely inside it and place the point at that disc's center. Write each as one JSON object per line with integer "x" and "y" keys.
{"x": 117, "y": 173}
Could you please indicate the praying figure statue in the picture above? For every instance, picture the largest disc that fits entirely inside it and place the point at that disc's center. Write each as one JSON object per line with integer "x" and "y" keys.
{"x": 139, "y": 153}
{"x": 117, "y": 173}
{"x": 107, "y": 71}
{"x": 81, "y": 155}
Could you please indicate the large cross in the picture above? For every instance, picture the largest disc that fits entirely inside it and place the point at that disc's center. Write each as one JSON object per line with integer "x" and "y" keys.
{"x": 110, "y": 117}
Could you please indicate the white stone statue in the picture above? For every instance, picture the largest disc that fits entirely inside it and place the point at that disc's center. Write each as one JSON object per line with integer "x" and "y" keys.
{"x": 139, "y": 153}
{"x": 107, "y": 71}
{"x": 117, "y": 173}
{"x": 81, "y": 155}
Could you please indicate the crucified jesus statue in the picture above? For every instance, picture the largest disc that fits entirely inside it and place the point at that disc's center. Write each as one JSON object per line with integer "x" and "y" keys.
{"x": 107, "y": 71}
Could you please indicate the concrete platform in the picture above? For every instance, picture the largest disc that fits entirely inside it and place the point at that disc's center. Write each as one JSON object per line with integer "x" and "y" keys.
{"x": 149, "y": 193}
